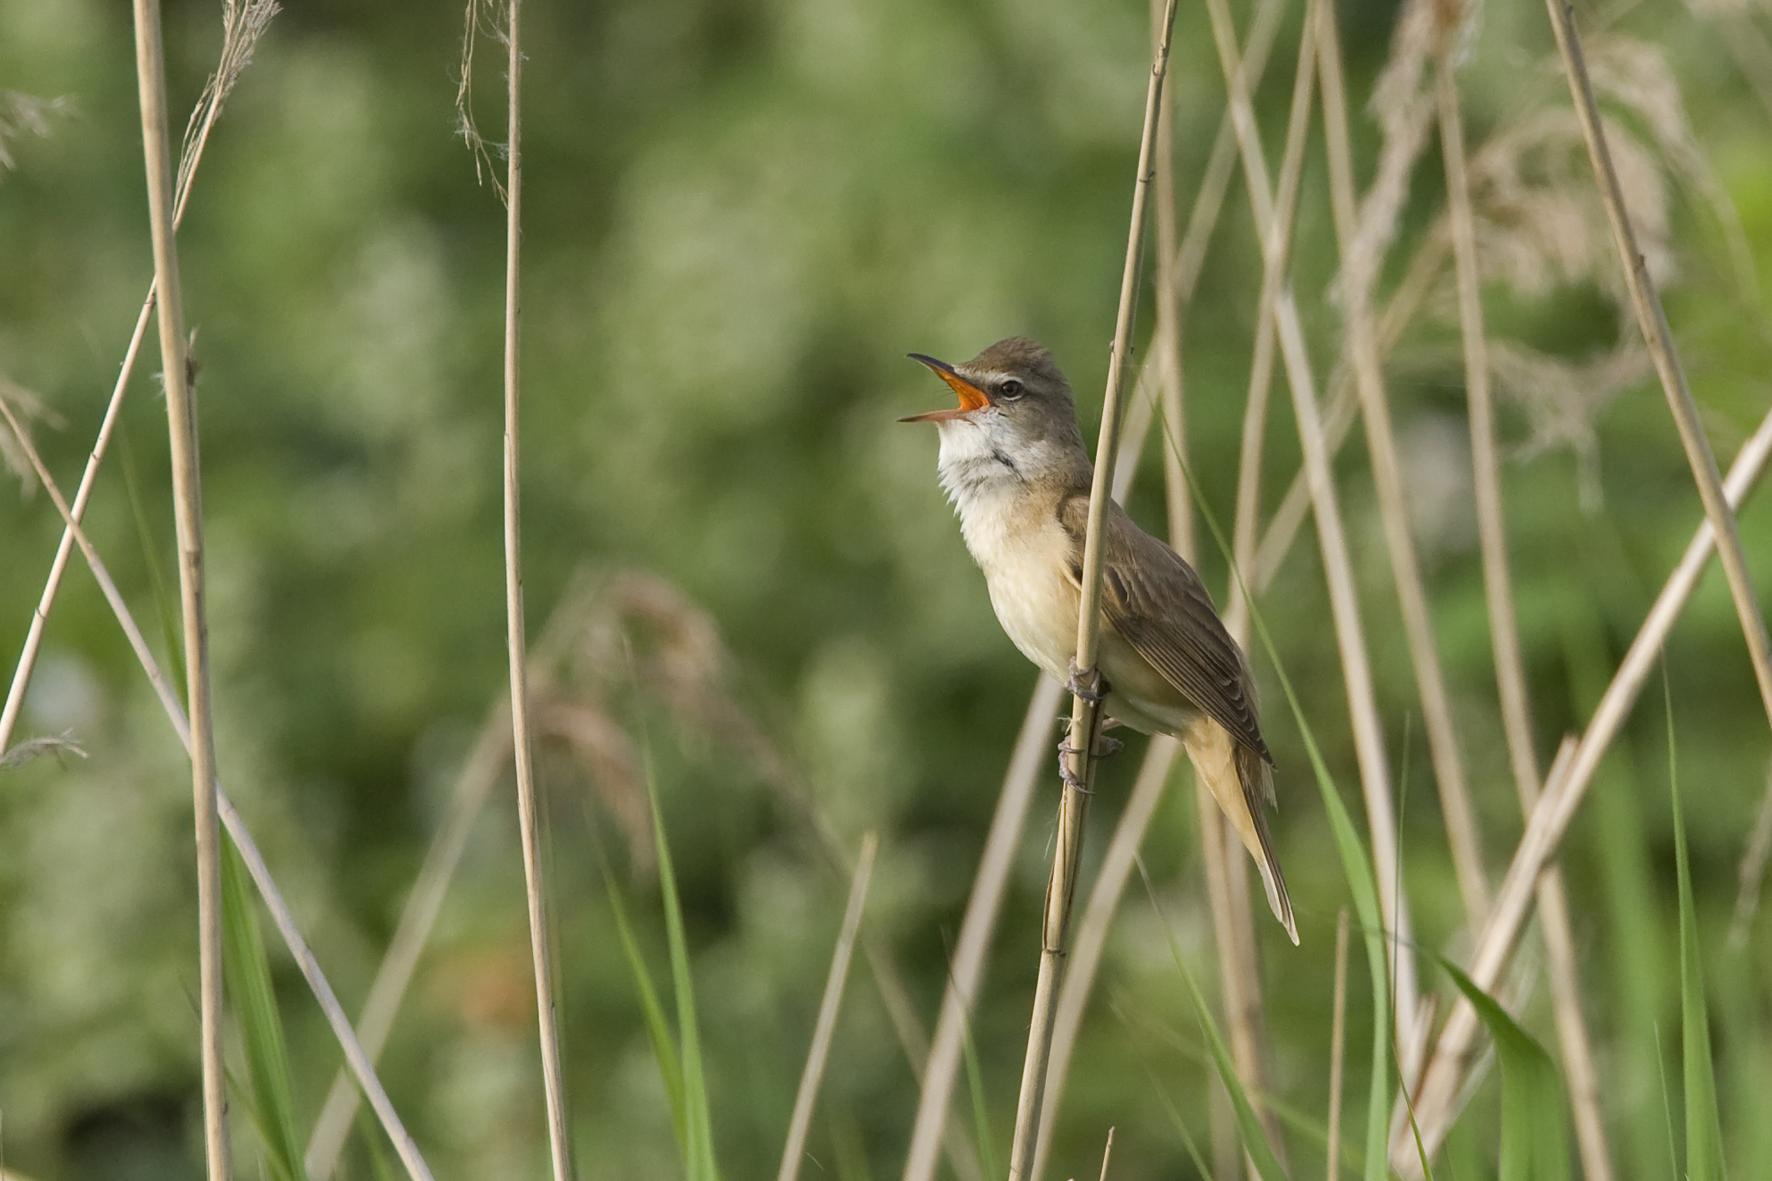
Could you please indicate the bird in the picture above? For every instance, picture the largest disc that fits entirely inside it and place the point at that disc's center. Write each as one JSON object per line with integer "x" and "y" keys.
{"x": 1013, "y": 464}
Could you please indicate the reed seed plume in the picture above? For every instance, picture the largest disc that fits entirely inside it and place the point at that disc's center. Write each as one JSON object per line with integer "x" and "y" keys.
{"x": 30, "y": 408}
{"x": 26, "y": 116}
{"x": 44, "y": 745}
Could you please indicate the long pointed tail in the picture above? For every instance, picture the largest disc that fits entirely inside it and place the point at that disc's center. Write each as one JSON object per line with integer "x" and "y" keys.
{"x": 1243, "y": 785}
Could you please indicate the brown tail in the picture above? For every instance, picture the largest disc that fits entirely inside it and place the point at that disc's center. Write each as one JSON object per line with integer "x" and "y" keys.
{"x": 1242, "y": 784}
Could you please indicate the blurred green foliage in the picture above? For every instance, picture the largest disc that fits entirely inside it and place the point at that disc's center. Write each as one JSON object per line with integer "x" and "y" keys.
{"x": 739, "y": 216}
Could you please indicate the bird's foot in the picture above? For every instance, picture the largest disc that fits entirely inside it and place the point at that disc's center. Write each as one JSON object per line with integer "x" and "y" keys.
{"x": 1070, "y": 778}
{"x": 1093, "y": 690}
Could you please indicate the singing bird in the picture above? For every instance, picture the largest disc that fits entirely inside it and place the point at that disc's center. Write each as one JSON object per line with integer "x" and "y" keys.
{"x": 1013, "y": 464}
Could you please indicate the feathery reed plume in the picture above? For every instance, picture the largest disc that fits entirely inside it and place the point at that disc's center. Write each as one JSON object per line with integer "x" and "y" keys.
{"x": 1404, "y": 111}
{"x": 1441, "y": 1078}
{"x": 30, "y": 408}
{"x": 1752, "y": 872}
{"x": 1510, "y": 676}
{"x": 824, "y": 1030}
{"x": 1368, "y": 729}
{"x": 1659, "y": 338}
{"x": 230, "y": 819}
{"x": 36, "y": 748}
{"x": 1085, "y": 708}
{"x": 181, "y": 420}
{"x": 241, "y": 30}
{"x": 1387, "y": 472}
{"x": 25, "y": 115}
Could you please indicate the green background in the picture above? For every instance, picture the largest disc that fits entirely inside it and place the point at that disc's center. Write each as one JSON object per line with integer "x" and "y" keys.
{"x": 738, "y": 218}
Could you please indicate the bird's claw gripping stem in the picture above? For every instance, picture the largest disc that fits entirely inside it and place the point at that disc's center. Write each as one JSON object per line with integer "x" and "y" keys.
{"x": 1104, "y": 746}
{"x": 1070, "y": 778}
{"x": 1093, "y": 690}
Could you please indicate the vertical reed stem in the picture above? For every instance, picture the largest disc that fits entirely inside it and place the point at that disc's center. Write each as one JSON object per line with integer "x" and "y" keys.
{"x": 1085, "y": 712}
{"x": 181, "y": 422}
{"x": 553, "y": 1081}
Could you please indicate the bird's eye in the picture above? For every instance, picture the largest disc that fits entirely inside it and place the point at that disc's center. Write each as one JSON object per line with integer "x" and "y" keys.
{"x": 1010, "y": 390}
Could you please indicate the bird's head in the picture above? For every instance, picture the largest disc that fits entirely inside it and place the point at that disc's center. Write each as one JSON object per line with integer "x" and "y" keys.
{"x": 1012, "y": 399}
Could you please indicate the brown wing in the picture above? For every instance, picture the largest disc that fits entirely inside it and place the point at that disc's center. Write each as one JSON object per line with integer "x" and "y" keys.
{"x": 1156, "y": 603}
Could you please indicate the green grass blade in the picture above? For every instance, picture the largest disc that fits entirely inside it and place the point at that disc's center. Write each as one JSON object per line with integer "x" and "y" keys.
{"x": 1187, "y": 1140}
{"x": 981, "y": 1116}
{"x": 247, "y": 970}
{"x": 658, "y": 1028}
{"x": 1254, "y": 1136}
{"x": 381, "y": 1165}
{"x": 1534, "y": 1145}
{"x": 1704, "y": 1129}
{"x": 698, "y": 1121}
{"x": 1356, "y": 867}
{"x": 171, "y": 633}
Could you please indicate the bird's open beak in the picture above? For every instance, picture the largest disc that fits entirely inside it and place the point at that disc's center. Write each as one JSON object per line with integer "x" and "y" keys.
{"x": 971, "y": 397}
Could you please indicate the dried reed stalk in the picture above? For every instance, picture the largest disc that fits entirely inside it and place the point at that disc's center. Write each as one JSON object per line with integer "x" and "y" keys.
{"x": 1227, "y": 882}
{"x": 1276, "y": 258}
{"x": 255, "y": 863}
{"x": 517, "y": 645}
{"x": 242, "y": 26}
{"x": 1085, "y": 709}
{"x": 1167, "y": 344}
{"x": 181, "y": 421}
{"x": 1337, "y": 564}
{"x": 825, "y": 1028}
{"x": 1441, "y": 1079}
{"x": 1093, "y": 927}
{"x": 1342, "y": 405}
{"x": 1659, "y": 339}
{"x": 1444, "y": 750}
{"x": 1565, "y": 980}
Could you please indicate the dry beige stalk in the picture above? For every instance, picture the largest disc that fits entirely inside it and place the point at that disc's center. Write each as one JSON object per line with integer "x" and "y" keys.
{"x": 1659, "y": 337}
{"x": 825, "y": 1028}
{"x": 1095, "y": 924}
{"x": 181, "y": 420}
{"x": 1578, "y": 1064}
{"x": 256, "y": 867}
{"x": 1442, "y": 1078}
{"x": 1368, "y": 731}
{"x": 241, "y": 29}
{"x": 517, "y": 645}
{"x": 1085, "y": 709}
{"x": 1387, "y": 470}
